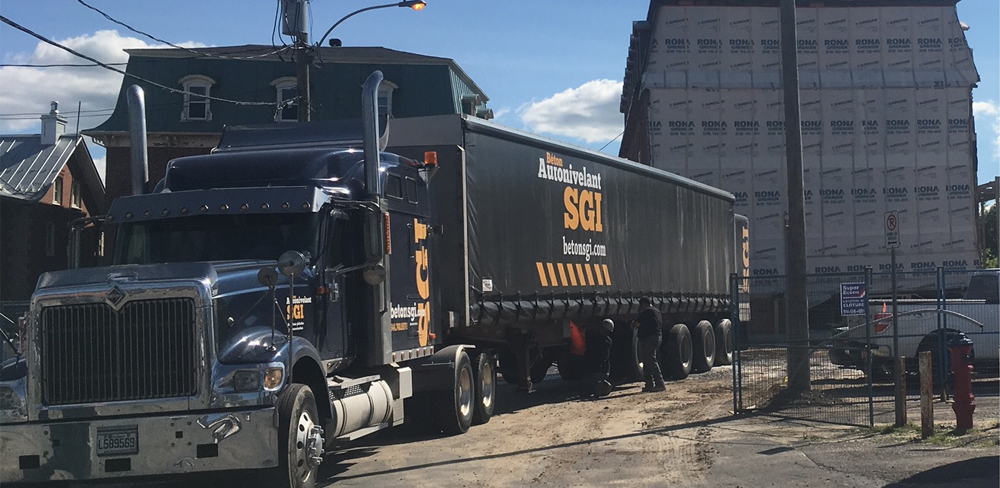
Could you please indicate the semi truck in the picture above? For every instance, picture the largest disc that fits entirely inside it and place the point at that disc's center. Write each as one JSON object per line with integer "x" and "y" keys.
{"x": 303, "y": 286}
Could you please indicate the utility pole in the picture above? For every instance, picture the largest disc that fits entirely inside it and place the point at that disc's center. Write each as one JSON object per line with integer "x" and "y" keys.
{"x": 303, "y": 58}
{"x": 295, "y": 22}
{"x": 797, "y": 303}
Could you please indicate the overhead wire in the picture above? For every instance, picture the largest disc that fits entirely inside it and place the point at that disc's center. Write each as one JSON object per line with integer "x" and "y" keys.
{"x": 612, "y": 140}
{"x": 128, "y": 75}
{"x": 64, "y": 65}
{"x": 157, "y": 39}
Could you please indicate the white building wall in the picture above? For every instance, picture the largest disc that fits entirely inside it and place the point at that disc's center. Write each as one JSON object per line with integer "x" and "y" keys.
{"x": 885, "y": 96}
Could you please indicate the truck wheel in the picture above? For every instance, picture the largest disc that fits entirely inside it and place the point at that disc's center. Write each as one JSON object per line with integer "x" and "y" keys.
{"x": 724, "y": 342}
{"x": 455, "y": 407}
{"x": 703, "y": 343}
{"x": 506, "y": 367}
{"x": 486, "y": 387}
{"x": 626, "y": 359}
{"x": 300, "y": 439}
{"x": 633, "y": 357}
{"x": 676, "y": 352}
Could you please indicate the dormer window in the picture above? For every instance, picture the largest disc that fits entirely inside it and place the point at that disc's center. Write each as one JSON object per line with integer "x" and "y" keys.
{"x": 287, "y": 90}
{"x": 385, "y": 98}
{"x": 197, "y": 106}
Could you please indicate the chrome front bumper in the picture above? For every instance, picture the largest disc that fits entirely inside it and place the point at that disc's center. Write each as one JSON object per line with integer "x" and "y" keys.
{"x": 67, "y": 450}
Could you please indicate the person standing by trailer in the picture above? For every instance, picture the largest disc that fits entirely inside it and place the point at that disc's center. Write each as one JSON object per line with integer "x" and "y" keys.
{"x": 649, "y": 328}
{"x": 597, "y": 356}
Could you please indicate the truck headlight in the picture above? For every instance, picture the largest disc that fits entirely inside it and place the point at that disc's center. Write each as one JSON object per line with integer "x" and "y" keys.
{"x": 247, "y": 380}
{"x": 273, "y": 377}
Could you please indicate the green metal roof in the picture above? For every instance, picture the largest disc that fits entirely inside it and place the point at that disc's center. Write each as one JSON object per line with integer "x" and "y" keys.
{"x": 426, "y": 85}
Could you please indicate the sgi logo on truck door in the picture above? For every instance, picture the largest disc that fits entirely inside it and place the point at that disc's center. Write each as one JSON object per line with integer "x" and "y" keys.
{"x": 411, "y": 309}
{"x": 423, "y": 281}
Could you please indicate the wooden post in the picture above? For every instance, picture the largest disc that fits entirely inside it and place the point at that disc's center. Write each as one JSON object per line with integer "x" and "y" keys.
{"x": 900, "y": 391}
{"x": 926, "y": 395}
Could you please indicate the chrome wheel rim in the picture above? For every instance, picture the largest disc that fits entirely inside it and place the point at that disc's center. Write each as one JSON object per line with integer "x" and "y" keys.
{"x": 464, "y": 392}
{"x": 308, "y": 446}
{"x": 487, "y": 377}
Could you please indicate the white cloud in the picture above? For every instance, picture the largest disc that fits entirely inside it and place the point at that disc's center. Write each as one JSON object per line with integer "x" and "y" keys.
{"x": 988, "y": 111}
{"x": 29, "y": 90}
{"x": 589, "y": 112}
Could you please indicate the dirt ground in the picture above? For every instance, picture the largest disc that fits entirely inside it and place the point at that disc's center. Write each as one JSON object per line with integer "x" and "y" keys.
{"x": 685, "y": 436}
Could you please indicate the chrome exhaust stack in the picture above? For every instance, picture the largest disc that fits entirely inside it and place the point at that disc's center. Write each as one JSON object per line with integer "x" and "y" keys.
{"x": 369, "y": 122}
{"x": 137, "y": 138}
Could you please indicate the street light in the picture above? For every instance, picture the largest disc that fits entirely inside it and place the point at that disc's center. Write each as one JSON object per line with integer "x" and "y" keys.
{"x": 414, "y": 4}
{"x": 295, "y": 22}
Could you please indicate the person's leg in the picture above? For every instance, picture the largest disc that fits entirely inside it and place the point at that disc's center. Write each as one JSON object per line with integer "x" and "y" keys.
{"x": 657, "y": 375}
{"x": 648, "y": 349}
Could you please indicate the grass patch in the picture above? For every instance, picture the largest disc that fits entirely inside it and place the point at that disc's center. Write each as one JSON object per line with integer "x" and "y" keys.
{"x": 944, "y": 435}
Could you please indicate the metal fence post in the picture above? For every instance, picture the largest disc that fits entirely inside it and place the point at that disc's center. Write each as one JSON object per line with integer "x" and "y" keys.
{"x": 734, "y": 313}
{"x": 868, "y": 342}
{"x": 942, "y": 343}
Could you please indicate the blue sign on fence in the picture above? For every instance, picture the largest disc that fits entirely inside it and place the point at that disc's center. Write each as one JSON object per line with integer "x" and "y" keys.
{"x": 852, "y": 299}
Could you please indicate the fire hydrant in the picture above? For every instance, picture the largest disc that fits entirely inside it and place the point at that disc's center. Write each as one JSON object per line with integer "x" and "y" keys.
{"x": 960, "y": 349}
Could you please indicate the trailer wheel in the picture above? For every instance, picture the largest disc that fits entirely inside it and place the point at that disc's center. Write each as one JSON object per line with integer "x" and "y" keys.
{"x": 486, "y": 387}
{"x": 703, "y": 343}
{"x": 506, "y": 367}
{"x": 540, "y": 369}
{"x": 724, "y": 342}
{"x": 676, "y": 352}
{"x": 455, "y": 407}
{"x": 633, "y": 358}
{"x": 570, "y": 367}
{"x": 300, "y": 439}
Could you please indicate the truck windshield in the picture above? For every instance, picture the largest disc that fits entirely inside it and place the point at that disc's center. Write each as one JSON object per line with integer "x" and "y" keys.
{"x": 217, "y": 238}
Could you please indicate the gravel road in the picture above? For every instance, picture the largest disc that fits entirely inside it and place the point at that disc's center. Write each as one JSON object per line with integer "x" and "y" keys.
{"x": 685, "y": 436}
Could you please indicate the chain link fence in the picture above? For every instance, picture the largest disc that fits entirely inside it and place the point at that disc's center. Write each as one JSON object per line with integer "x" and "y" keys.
{"x": 853, "y": 334}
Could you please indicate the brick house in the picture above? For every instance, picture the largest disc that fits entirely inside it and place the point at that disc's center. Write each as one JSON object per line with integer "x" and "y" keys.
{"x": 47, "y": 181}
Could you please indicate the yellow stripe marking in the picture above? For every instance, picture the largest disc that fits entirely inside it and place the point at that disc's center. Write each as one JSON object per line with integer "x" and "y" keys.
{"x": 562, "y": 274}
{"x": 597, "y": 271}
{"x": 579, "y": 272}
{"x": 607, "y": 277}
{"x": 552, "y": 274}
{"x": 541, "y": 275}
{"x": 590, "y": 276}
{"x": 572, "y": 275}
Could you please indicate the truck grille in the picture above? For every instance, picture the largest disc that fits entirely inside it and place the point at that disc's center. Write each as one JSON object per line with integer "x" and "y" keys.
{"x": 92, "y": 353}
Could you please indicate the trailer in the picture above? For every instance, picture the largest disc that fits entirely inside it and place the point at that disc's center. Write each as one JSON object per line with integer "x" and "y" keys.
{"x": 299, "y": 288}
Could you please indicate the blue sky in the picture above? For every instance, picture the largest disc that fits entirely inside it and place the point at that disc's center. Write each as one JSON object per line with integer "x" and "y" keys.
{"x": 549, "y": 66}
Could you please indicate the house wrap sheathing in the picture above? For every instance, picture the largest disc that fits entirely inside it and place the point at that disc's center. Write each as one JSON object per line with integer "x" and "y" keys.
{"x": 886, "y": 115}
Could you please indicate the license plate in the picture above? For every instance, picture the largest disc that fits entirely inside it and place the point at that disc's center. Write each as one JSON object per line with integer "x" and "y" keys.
{"x": 117, "y": 441}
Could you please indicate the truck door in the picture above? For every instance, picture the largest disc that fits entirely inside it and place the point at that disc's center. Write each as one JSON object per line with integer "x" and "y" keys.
{"x": 341, "y": 251}
{"x": 410, "y": 295}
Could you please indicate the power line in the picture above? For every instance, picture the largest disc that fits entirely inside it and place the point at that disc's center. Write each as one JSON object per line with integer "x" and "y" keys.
{"x": 129, "y": 75}
{"x": 157, "y": 39}
{"x": 57, "y": 65}
{"x": 612, "y": 140}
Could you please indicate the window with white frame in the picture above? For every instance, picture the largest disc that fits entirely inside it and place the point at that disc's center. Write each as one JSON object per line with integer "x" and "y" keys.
{"x": 385, "y": 98}
{"x": 197, "y": 106}
{"x": 287, "y": 90}
{"x": 57, "y": 191}
{"x": 76, "y": 194}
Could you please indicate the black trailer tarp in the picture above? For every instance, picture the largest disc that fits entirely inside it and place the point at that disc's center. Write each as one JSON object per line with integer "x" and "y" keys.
{"x": 555, "y": 231}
